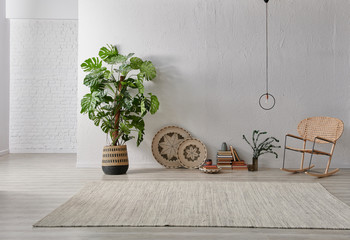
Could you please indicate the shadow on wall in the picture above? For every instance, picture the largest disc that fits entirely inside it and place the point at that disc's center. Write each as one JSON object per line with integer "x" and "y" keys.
{"x": 175, "y": 92}
{"x": 341, "y": 148}
{"x": 168, "y": 87}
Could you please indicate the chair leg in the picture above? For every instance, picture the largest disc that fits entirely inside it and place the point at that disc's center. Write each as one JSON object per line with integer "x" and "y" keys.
{"x": 330, "y": 159}
{"x": 326, "y": 173}
{"x": 301, "y": 169}
{"x": 302, "y": 156}
{"x": 328, "y": 164}
{"x": 312, "y": 154}
{"x": 284, "y": 153}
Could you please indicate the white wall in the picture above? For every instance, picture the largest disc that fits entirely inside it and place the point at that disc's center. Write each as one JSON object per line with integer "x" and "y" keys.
{"x": 42, "y": 9}
{"x": 210, "y": 57}
{"x": 4, "y": 80}
{"x": 43, "y": 85}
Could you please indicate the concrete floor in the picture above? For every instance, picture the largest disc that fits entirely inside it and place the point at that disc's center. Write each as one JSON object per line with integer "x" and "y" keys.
{"x": 32, "y": 185}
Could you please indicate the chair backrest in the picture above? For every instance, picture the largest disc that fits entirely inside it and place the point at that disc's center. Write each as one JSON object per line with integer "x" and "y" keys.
{"x": 326, "y": 127}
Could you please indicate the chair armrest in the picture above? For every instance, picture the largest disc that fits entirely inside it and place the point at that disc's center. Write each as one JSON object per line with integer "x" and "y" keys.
{"x": 324, "y": 139}
{"x": 293, "y": 136}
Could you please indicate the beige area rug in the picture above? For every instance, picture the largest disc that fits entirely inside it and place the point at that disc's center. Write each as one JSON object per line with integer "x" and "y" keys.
{"x": 201, "y": 204}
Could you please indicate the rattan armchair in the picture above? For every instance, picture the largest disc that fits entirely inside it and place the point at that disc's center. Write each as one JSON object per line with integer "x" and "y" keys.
{"x": 316, "y": 130}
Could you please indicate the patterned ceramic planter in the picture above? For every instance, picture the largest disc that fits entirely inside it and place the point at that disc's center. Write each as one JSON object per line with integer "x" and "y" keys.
{"x": 115, "y": 160}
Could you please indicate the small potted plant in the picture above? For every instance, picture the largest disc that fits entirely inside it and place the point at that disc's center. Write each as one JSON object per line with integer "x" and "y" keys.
{"x": 117, "y": 101}
{"x": 259, "y": 149}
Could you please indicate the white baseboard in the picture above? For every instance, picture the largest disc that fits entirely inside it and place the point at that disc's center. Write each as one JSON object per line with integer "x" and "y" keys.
{"x": 4, "y": 152}
{"x": 145, "y": 165}
{"x": 24, "y": 150}
{"x": 132, "y": 166}
{"x": 88, "y": 165}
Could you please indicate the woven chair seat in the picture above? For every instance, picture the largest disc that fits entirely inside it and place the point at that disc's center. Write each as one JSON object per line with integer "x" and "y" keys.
{"x": 308, "y": 151}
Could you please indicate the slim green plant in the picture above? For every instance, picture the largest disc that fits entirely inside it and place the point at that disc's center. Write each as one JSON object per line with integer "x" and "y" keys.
{"x": 117, "y": 101}
{"x": 265, "y": 146}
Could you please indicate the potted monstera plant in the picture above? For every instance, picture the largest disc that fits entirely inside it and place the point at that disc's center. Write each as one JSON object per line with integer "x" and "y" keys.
{"x": 266, "y": 146}
{"x": 117, "y": 102}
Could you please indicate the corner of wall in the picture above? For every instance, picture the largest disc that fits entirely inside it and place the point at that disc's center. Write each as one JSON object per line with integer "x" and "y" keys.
{"x": 4, "y": 79}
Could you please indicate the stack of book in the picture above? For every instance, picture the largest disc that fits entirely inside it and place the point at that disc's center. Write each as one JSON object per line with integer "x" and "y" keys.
{"x": 230, "y": 160}
{"x": 237, "y": 163}
{"x": 224, "y": 159}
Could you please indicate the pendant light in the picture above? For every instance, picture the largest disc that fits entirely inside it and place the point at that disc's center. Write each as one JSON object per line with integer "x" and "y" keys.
{"x": 267, "y": 101}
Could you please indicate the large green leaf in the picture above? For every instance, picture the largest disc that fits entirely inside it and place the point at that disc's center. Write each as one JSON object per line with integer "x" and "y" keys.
{"x": 140, "y": 86}
{"x": 143, "y": 108}
{"x": 108, "y": 74}
{"x": 125, "y": 69}
{"x": 91, "y": 64}
{"x": 89, "y": 102}
{"x": 98, "y": 87}
{"x": 108, "y": 108}
{"x": 130, "y": 55}
{"x": 108, "y": 54}
{"x": 140, "y": 137}
{"x": 97, "y": 121}
{"x": 127, "y": 104}
{"x": 107, "y": 99}
{"x": 94, "y": 78}
{"x": 106, "y": 126}
{"x": 135, "y": 62}
{"x": 127, "y": 137}
{"x": 135, "y": 109}
{"x": 91, "y": 115}
{"x": 154, "y": 104}
{"x": 139, "y": 124}
{"x": 136, "y": 121}
{"x": 124, "y": 128}
{"x": 141, "y": 76}
{"x": 119, "y": 59}
{"x": 130, "y": 82}
{"x": 148, "y": 69}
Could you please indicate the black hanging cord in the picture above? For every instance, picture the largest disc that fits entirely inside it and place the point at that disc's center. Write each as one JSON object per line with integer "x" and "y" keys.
{"x": 267, "y": 52}
{"x": 267, "y": 94}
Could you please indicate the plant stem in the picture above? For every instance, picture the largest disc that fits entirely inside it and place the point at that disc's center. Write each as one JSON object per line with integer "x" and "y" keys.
{"x": 117, "y": 115}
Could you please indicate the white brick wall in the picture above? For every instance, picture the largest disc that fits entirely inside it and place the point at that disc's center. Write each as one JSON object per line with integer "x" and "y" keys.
{"x": 43, "y": 91}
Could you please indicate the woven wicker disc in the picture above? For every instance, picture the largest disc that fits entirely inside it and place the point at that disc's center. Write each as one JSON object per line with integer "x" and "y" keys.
{"x": 210, "y": 170}
{"x": 165, "y": 144}
{"x": 192, "y": 153}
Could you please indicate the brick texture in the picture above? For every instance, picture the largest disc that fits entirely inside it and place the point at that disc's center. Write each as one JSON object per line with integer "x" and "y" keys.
{"x": 43, "y": 85}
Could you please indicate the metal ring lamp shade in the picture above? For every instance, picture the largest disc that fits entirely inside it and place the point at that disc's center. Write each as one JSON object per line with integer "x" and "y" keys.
{"x": 269, "y": 102}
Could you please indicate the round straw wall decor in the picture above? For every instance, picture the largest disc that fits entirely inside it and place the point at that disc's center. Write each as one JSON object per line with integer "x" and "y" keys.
{"x": 165, "y": 144}
{"x": 192, "y": 153}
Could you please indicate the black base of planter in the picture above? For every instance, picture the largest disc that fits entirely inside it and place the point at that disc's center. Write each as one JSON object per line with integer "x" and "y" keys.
{"x": 115, "y": 170}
